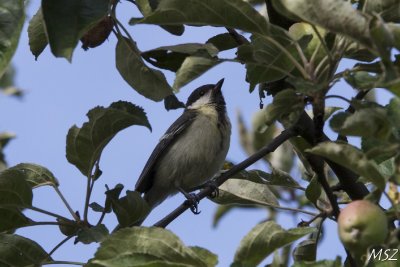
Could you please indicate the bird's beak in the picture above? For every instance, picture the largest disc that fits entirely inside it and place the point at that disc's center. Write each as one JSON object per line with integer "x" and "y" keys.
{"x": 218, "y": 85}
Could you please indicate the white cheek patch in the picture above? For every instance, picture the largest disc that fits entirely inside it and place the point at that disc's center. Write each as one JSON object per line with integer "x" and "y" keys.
{"x": 205, "y": 99}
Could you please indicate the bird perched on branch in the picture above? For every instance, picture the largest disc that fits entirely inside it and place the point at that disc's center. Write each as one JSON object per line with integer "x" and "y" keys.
{"x": 192, "y": 150}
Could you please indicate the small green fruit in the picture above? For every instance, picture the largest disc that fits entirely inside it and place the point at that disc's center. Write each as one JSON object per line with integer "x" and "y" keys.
{"x": 298, "y": 30}
{"x": 362, "y": 224}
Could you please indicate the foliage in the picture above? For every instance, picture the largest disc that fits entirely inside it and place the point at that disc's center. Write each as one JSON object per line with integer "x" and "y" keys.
{"x": 292, "y": 56}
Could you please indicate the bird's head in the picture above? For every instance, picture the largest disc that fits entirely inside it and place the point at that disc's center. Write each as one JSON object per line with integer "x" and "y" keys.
{"x": 209, "y": 94}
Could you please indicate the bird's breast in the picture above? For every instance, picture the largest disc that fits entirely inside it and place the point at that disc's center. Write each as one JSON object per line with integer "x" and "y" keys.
{"x": 198, "y": 155}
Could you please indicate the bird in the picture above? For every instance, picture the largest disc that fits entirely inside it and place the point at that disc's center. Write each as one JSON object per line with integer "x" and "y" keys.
{"x": 192, "y": 150}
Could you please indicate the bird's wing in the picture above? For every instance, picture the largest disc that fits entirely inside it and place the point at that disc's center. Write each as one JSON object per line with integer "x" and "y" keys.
{"x": 145, "y": 180}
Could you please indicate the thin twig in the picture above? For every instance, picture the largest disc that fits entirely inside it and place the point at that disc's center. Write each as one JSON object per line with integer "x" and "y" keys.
{"x": 59, "y": 245}
{"x": 66, "y": 203}
{"x": 339, "y": 97}
{"x": 239, "y": 39}
{"x": 275, "y": 143}
{"x": 63, "y": 262}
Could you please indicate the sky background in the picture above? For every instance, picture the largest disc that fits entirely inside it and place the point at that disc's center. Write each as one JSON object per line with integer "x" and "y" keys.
{"x": 59, "y": 94}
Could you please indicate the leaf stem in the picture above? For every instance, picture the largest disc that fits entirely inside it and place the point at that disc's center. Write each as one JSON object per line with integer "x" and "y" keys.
{"x": 66, "y": 203}
{"x": 48, "y": 213}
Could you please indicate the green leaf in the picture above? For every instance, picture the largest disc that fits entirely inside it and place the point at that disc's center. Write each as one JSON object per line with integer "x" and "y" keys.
{"x": 111, "y": 196}
{"x": 11, "y": 219}
{"x": 14, "y": 189}
{"x": 388, "y": 9}
{"x": 267, "y": 57}
{"x": 12, "y": 20}
{"x": 151, "y": 247}
{"x": 305, "y": 251}
{"x": 96, "y": 207}
{"x": 313, "y": 191}
{"x": 323, "y": 263}
{"x": 85, "y": 144}
{"x": 227, "y": 13}
{"x": 223, "y": 41}
{"x": 238, "y": 191}
{"x": 172, "y": 57}
{"x": 286, "y": 106}
{"x": 350, "y": 157}
{"x": 18, "y": 251}
{"x": 172, "y": 102}
{"x": 264, "y": 239}
{"x": 335, "y": 16}
{"x": 191, "y": 68}
{"x": 146, "y": 7}
{"x": 37, "y": 34}
{"x": 68, "y": 20}
{"x": 130, "y": 208}
{"x": 5, "y": 138}
{"x": 367, "y": 122}
{"x": 93, "y": 234}
{"x": 276, "y": 177}
{"x": 146, "y": 81}
{"x": 209, "y": 258}
{"x": 361, "y": 80}
{"x": 36, "y": 175}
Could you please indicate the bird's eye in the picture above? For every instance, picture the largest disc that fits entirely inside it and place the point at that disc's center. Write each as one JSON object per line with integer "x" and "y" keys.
{"x": 201, "y": 93}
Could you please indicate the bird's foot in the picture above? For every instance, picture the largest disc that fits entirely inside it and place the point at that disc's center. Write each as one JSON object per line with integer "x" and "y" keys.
{"x": 214, "y": 187}
{"x": 192, "y": 200}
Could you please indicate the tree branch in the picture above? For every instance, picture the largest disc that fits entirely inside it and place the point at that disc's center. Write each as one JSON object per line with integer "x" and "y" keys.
{"x": 274, "y": 144}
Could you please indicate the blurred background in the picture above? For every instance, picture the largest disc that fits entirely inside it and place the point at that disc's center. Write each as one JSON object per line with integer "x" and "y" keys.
{"x": 59, "y": 94}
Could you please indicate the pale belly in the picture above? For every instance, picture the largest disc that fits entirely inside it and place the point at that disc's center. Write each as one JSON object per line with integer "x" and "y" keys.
{"x": 184, "y": 165}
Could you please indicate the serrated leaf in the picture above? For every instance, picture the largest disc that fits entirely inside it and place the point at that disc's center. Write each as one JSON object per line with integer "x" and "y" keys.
{"x": 37, "y": 34}
{"x": 149, "y": 246}
{"x": 350, "y": 157}
{"x": 12, "y": 20}
{"x": 18, "y": 251}
{"x": 227, "y": 13}
{"x": 85, "y": 144}
{"x": 36, "y": 175}
{"x": 172, "y": 102}
{"x": 11, "y": 219}
{"x": 14, "y": 189}
{"x": 368, "y": 122}
{"x": 93, "y": 234}
{"x": 237, "y": 191}
{"x": 209, "y": 258}
{"x": 130, "y": 208}
{"x": 146, "y": 81}
{"x": 264, "y": 239}
{"x": 66, "y": 21}
{"x": 191, "y": 68}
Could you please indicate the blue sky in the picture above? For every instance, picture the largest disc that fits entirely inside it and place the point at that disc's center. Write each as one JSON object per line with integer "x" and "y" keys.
{"x": 59, "y": 94}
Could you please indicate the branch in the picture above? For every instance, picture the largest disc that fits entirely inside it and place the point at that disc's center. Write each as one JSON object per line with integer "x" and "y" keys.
{"x": 274, "y": 144}
{"x": 239, "y": 39}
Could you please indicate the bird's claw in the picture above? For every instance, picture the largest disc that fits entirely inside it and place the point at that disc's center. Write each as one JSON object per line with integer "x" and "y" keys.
{"x": 214, "y": 187}
{"x": 192, "y": 200}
